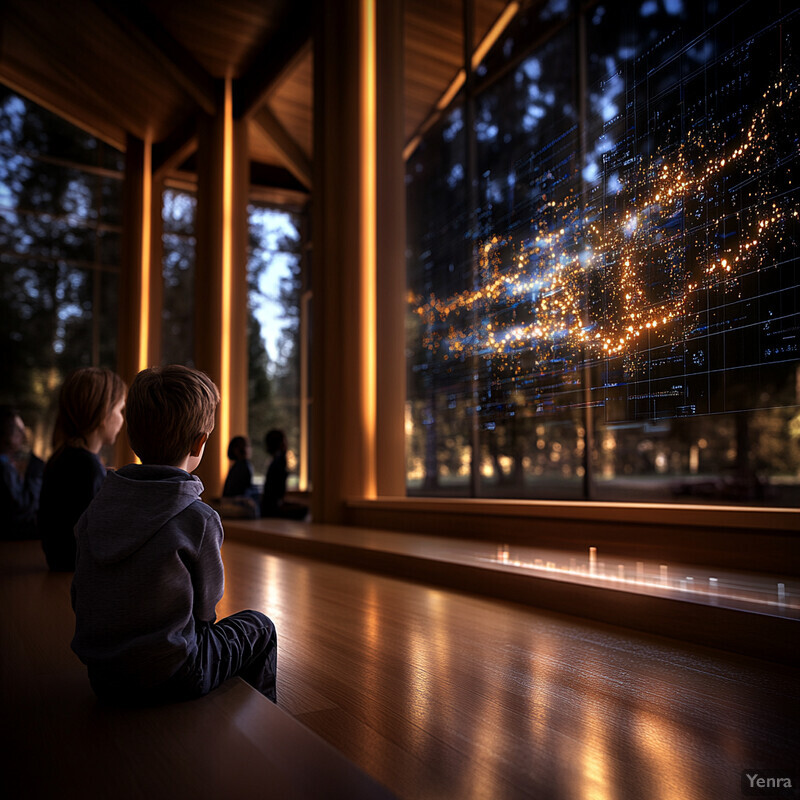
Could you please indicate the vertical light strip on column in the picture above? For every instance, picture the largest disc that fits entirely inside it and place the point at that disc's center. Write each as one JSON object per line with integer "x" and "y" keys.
{"x": 368, "y": 240}
{"x": 227, "y": 278}
{"x": 143, "y": 357}
{"x": 305, "y": 366}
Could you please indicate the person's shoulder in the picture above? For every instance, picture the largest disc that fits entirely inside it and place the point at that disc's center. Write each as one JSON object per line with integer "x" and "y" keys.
{"x": 34, "y": 469}
{"x": 204, "y": 509}
{"x": 198, "y": 510}
{"x": 72, "y": 457}
{"x": 10, "y": 476}
{"x": 68, "y": 462}
{"x": 198, "y": 521}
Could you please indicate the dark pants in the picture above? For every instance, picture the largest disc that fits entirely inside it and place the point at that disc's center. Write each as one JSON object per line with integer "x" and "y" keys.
{"x": 243, "y": 644}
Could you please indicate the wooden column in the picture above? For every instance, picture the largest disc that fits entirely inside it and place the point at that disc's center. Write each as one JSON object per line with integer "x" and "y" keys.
{"x": 156, "y": 272}
{"x": 238, "y": 399}
{"x": 220, "y": 277}
{"x": 306, "y": 400}
{"x": 140, "y": 273}
{"x": 391, "y": 285}
{"x": 343, "y": 430}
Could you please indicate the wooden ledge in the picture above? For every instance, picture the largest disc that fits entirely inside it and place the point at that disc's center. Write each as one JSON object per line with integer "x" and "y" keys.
{"x": 776, "y": 519}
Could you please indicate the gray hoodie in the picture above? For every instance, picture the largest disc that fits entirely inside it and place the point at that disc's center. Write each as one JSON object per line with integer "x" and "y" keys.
{"x": 148, "y": 568}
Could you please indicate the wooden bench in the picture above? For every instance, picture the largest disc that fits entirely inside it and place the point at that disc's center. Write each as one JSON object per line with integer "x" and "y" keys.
{"x": 58, "y": 741}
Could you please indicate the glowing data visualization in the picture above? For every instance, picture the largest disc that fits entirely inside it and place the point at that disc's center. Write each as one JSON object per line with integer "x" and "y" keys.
{"x": 641, "y": 257}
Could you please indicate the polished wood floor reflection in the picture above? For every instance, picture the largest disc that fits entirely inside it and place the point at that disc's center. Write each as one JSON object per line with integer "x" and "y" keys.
{"x": 433, "y": 693}
{"x": 443, "y": 695}
{"x": 57, "y": 741}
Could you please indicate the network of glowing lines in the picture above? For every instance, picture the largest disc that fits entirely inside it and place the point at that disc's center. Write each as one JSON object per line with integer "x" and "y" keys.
{"x": 532, "y": 293}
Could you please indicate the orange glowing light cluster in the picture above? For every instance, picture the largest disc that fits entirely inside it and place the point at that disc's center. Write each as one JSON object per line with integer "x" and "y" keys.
{"x": 532, "y": 295}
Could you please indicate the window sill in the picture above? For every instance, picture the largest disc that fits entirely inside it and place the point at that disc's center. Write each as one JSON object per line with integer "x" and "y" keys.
{"x": 716, "y": 516}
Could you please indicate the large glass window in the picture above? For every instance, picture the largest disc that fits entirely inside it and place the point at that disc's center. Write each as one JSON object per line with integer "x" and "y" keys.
{"x": 441, "y": 265}
{"x": 178, "y": 273}
{"x": 603, "y": 276}
{"x": 60, "y": 226}
{"x": 275, "y": 300}
{"x": 275, "y": 303}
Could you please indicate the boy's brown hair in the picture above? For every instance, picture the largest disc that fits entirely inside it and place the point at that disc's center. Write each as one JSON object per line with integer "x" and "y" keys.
{"x": 168, "y": 408}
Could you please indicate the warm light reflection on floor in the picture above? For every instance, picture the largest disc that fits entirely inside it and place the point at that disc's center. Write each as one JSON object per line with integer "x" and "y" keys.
{"x": 445, "y": 694}
{"x": 422, "y": 649}
{"x": 667, "y": 752}
{"x": 539, "y": 660}
{"x": 594, "y": 758}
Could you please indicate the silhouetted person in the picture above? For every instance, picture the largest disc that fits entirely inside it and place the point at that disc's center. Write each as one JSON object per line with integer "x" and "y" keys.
{"x": 90, "y": 415}
{"x": 272, "y": 500}
{"x": 20, "y": 483}
{"x": 239, "y": 482}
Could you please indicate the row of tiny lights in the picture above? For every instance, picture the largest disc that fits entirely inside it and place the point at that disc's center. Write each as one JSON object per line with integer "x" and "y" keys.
{"x": 597, "y": 570}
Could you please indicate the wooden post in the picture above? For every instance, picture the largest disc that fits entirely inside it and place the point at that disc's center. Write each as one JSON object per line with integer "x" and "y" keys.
{"x": 358, "y": 361}
{"x": 391, "y": 282}
{"x": 220, "y": 283}
{"x": 156, "y": 271}
{"x": 343, "y": 447}
{"x": 140, "y": 275}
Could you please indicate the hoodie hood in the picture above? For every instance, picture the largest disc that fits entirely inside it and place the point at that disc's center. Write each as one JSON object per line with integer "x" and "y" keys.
{"x": 164, "y": 491}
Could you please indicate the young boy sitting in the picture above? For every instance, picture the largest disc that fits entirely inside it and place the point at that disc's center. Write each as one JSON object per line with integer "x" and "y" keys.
{"x": 149, "y": 574}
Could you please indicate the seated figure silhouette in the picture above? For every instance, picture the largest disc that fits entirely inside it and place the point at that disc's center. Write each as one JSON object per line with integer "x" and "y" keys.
{"x": 273, "y": 503}
{"x": 239, "y": 482}
{"x": 20, "y": 479}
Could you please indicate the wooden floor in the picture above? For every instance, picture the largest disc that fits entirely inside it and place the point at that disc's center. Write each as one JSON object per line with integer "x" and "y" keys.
{"x": 742, "y": 613}
{"x": 437, "y": 694}
{"x": 57, "y": 741}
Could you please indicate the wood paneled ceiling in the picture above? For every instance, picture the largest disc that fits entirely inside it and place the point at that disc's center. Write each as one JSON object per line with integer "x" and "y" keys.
{"x": 146, "y": 67}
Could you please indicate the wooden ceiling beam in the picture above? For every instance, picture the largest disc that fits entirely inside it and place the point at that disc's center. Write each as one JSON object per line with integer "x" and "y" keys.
{"x": 297, "y": 162}
{"x": 86, "y": 107}
{"x": 18, "y": 79}
{"x": 275, "y": 59}
{"x": 170, "y": 153}
{"x": 136, "y": 21}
